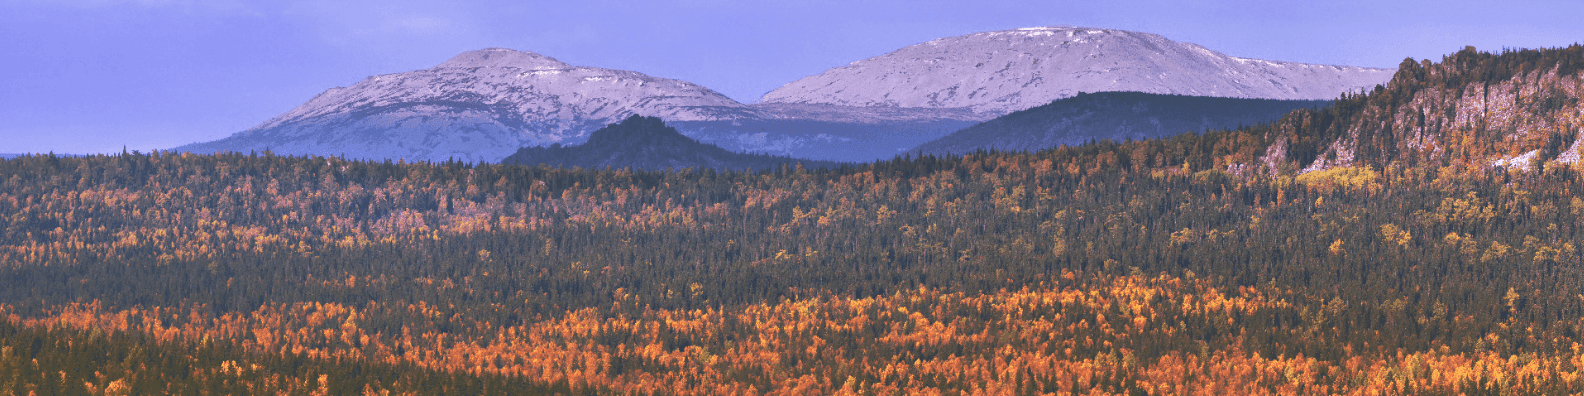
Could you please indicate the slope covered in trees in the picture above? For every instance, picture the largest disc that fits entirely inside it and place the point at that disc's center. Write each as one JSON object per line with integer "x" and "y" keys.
{"x": 1466, "y": 112}
{"x": 1112, "y": 115}
{"x": 647, "y": 143}
{"x": 1106, "y": 268}
{"x": 481, "y": 269}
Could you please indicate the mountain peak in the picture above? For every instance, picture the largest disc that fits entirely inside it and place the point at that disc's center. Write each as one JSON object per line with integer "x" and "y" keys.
{"x": 478, "y": 106}
{"x": 998, "y": 72}
{"x": 503, "y": 57}
{"x": 1062, "y": 32}
{"x": 637, "y": 130}
{"x": 1053, "y": 30}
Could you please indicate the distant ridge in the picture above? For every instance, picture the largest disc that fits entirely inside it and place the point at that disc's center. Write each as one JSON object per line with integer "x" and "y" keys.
{"x": 647, "y": 143}
{"x": 478, "y": 106}
{"x": 483, "y": 105}
{"x": 1112, "y": 115}
{"x": 62, "y": 155}
{"x": 1004, "y": 71}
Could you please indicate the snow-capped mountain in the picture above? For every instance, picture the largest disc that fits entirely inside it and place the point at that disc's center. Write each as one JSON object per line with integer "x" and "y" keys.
{"x": 478, "y": 106}
{"x": 1004, "y": 71}
{"x": 483, "y": 105}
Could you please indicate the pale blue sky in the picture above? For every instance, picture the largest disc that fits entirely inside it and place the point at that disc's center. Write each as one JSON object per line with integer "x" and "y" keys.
{"x": 81, "y": 76}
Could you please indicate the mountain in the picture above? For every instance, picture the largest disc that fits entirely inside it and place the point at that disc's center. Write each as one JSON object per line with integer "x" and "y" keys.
{"x": 1112, "y": 115}
{"x": 647, "y": 143}
{"x": 1472, "y": 110}
{"x": 478, "y": 106}
{"x": 1004, "y": 71}
{"x": 482, "y": 105}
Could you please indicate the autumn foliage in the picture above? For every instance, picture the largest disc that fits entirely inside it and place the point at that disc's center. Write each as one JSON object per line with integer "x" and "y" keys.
{"x": 1165, "y": 266}
{"x": 1106, "y": 335}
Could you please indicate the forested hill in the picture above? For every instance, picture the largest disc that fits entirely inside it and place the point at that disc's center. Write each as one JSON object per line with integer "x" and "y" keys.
{"x": 647, "y": 143}
{"x": 1471, "y": 110}
{"x": 1112, "y": 115}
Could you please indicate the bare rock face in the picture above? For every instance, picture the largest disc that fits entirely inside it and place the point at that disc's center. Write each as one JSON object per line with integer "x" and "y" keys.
{"x": 1005, "y": 71}
{"x": 1518, "y": 110}
{"x": 479, "y": 106}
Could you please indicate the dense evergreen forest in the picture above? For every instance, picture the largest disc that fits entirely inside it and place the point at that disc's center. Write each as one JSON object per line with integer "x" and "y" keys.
{"x": 1116, "y": 116}
{"x": 647, "y": 143}
{"x": 1459, "y": 113}
{"x": 1157, "y": 266}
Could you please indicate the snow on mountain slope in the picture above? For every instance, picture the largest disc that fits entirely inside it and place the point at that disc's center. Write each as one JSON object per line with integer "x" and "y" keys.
{"x": 1004, "y": 71}
{"x": 479, "y": 106}
{"x": 482, "y": 105}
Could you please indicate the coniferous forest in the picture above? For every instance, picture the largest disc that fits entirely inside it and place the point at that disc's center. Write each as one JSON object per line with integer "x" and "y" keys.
{"x": 1200, "y": 263}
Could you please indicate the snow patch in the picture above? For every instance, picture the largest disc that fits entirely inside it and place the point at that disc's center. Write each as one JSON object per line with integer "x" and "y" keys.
{"x": 1572, "y": 154}
{"x": 1520, "y": 161}
{"x": 502, "y": 57}
{"x": 1038, "y": 31}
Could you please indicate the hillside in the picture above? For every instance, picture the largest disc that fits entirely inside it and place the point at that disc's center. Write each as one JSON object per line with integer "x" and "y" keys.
{"x": 1116, "y": 116}
{"x": 1472, "y": 110}
{"x": 478, "y": 106}
{"x": 1004, "y": 71}
{"x": 828, "y": 132}
{"x": 647, "y": 143}
{"x": 1129, "y": 260}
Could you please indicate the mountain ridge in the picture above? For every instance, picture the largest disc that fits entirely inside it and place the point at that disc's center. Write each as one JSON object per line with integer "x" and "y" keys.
{"x": 489, "y": 102}
{"x": 1111, "y": 115}
{"x": 482, "y": 105}
{"x": 1471, "y": 110}
{"x": 1002, "y": 71}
